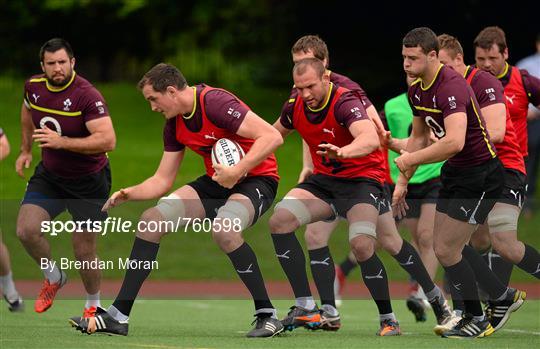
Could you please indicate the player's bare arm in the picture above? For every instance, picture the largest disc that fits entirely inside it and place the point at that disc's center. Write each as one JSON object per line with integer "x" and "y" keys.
{"x": 154, "y": 187}
{"x": 307, "y": 163}
{"x": 27, "y": 128}
{"x": 364, "y": 143}
{"x": 101, "y": 139}
{"x": 267, "y": 140}
{"x": 495, "y": 118}
{"x": 4, "y": 147}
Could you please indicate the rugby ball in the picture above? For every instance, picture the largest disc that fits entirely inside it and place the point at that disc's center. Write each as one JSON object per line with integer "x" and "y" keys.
{"x": 227, "y": 152}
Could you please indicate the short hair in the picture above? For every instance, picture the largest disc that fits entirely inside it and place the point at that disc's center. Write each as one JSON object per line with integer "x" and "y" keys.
{"x": 314, "y": 44}
{"x": 301, "y": 66}
{"x": 161, "y": 76}
{"x": 54, "y": 45}
{"x": 489, "y": 36}
{"x": 450, "y": 44}
{"x": 423, "y": 37}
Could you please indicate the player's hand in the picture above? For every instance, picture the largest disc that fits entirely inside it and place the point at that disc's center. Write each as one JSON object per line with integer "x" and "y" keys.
{"x": 116, "y": 199}
{"x": 399, "y": 205}
{"x": 23, "y": 161}
{"x": 331, "y": 151}
{"x": 404, "y": 163}
{"x": 385, "y": 137}
{"x": 305, "y": 173}
{"x": 432, "y": 137}
{"x": 227, "y": 176}
{"x": 48, "y": 138}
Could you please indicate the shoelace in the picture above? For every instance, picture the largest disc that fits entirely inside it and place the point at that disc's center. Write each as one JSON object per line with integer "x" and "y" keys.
{"x": 89, "y": 312}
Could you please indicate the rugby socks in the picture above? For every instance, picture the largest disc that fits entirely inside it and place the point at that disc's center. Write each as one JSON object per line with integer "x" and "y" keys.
{"x": 324, "y": 273}
{"x": 142, "y": 251}
{"x": 376, "y": 281}
{"x": 531, "y": 261}
{"x": 293, "y": 261}
{"x": 347, "y": 265}
{"x": 487, "y": 280}
{"x": 92, "y": 300}
{"x": 409, "y": 260}
{"x": 8, "y": 287}
{"x": 245, "y": 263}
{"x": 51, "y": 272}
{"x": 500, "y": 266}
{"x": 462, "y": 280}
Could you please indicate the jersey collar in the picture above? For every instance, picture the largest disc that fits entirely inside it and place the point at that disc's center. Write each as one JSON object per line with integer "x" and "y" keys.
{"x": 325, "y": 100}
{"x": 432, "y": 81}
{"x": 60, "y": 88}
{"x": 194, "y": 104}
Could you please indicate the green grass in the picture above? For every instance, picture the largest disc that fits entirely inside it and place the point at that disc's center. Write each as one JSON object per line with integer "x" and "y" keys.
{"x": 139, "y": 148}
{"x": 172, "y": 324}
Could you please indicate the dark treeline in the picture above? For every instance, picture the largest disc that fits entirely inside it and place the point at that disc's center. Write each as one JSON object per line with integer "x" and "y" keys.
{"x": 234, "y": 42}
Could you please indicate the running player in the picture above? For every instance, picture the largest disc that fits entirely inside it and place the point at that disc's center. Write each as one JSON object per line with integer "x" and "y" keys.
{"x": 197, "y": 116}
{"x": 68, "y": 118}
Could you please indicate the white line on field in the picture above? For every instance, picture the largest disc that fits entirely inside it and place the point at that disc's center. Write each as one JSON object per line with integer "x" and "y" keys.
{"x": 522, "y": 331}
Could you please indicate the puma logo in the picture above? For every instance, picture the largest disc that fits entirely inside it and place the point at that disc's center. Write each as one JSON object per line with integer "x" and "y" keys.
{"x": 515, "y": 193}
{"x": 376, "y": 199}
{"x": 36, "y": 97}
{"x": 210, "y": 136}
{"x": 284, "y": 255}
{"x": 457, "y": 286}
{"x": 537, "y": 269}
{"x": 416, "y": 96}
{"x": 247, "y": 271}
{"x": 510, "y": 99}
{"x": 378, "y": 276}
{"x": 324, "y": 262}
{"x": 409, "y": 261}
{"x": 259, "y": 193}
{"x": 325, "y": 130}
{"x": 465, "y": 211}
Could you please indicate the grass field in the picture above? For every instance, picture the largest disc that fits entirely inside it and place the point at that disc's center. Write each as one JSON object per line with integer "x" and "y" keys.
{"x": 168, "y": 324}
{"x": 139, "y": 148}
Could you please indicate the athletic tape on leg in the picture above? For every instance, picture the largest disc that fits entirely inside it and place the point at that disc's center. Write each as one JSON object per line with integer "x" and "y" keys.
{"x": 502, "y": 219}
{"x": 362, "y": 228}
{"x": 234, "y": 210}
{"x": 171, "y": 207}
{"x": 296, "y": 207}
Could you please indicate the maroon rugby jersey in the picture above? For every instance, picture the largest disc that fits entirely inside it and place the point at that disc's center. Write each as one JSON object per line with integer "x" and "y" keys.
{"x": 330, "y": 124}
{"x": 66, "y": 110}
{"x": 488, "y": 90}
{"x": 447, "y": 94}
{"x": 216, "y": 114}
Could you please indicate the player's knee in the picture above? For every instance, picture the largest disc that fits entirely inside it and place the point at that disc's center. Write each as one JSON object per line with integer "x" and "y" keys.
{"x": 316, "y": 237}
{"x": 227, "y": 241}
{"x": 289, "y": 215}
{"x": 424, "y": 239}
{"x": 480, "y": 240}
{"x": 390, "y": 242}
{"x": 28, "y": 231}
{"x": 232, "y": 217}
{"x": 150, "y": 226}
{"x": 445, "y": 254}
{"x": 363, "y": 247}
{"x": 508, "y": 247}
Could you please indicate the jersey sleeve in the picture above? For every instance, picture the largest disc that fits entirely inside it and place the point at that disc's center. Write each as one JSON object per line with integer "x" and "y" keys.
{"x": 225, "y": 110}
{"x": 532, "y": 87}
{"x": 410, "y": 94}
{"x": 349, "y": 84}
{"x": 287, "y": 111}
{"x": 26, "y": 93}
{"x": 487, "y": 89}
{"x": 170, "y": 143}
{"x": 453, "y": 96}
{"x": 348, "y": 109}
{"x": 94, "y": 106}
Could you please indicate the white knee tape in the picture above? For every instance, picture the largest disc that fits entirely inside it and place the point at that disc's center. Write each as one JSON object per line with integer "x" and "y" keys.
{"x": 362, "y": 228}
{"x": 171, "y": 207}
{"x": 502, "y": 220}
{"x": 234, "y": 211}
{"x": 296, "y": 207}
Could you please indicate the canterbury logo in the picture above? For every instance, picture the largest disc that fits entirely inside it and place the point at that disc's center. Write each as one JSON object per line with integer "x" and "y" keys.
{"x": 465, "y": 211}
{"x": 325, "y": 130}
{"x": 324, "y": 262}
{"x": 36, "y": 97}
{"x": 247, "y": 271}
{"x": 378, "y": 276}
{"x": 409, "y": 261}
{"x": 510, "y": 99}
{"x": 284, "y": 255}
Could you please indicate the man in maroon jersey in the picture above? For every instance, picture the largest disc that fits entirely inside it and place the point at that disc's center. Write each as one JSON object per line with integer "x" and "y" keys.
{"x": 520, "y": 89}
{"x": 196, "y": 117}
{"x": 502, "y": 221}
{"x": 68, "y": 119}
{"x": 318, "y": 234}
{"x": 471, "y": 178}
{"x": 347, "y": 178}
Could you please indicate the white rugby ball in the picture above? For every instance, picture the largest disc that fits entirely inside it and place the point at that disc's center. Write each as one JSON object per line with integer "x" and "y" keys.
{"x": 227, "y": 152}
